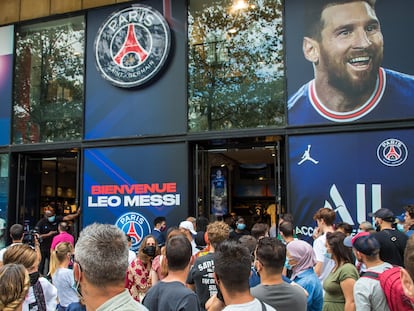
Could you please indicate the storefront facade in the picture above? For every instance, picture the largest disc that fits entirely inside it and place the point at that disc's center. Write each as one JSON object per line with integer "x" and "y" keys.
{"x": 139, "y": 109}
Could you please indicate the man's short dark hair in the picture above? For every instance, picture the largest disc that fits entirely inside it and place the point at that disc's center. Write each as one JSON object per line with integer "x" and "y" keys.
{"x": 410, "y": 210}
{"x": 178, "y": 252}
{"x": 232, "y": 266}
{"x": 271, "y": 253}
{"x": 344, "y": 226}
{"x": 16, "y": 232}
{"x": 313, "y": 14}
{"x": 286, "y": 228}
{"x": 159, "y": 220}
{"x": 249, "y": 241}
{"x": 286, "y": 217}
{"x": 259, "y": 230}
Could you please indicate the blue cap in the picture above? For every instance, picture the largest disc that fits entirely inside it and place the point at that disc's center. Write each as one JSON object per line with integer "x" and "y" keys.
{"x": 401, "y": 218}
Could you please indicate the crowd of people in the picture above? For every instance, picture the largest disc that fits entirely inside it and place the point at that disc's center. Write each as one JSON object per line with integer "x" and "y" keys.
{"x": 217, "y": 265}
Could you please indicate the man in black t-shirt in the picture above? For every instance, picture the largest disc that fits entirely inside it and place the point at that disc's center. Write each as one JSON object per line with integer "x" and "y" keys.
{"x": 171, "y": 293}
{"x": 48, "y": 228}
{"x": 201, "y": 276}
{"x": 392, "y": 241}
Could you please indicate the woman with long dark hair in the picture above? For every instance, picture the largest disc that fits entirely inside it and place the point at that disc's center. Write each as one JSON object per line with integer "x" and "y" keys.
{"x": 339, "y": 284}
{"x": 138, "y": 279}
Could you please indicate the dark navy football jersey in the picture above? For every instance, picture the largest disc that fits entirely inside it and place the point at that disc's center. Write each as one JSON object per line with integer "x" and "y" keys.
{"x": 393, "y": 98}
{"x": 353, "y": 173}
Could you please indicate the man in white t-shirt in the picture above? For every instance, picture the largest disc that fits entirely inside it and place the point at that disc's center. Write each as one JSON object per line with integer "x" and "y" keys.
{"x": 325, "y": 218}
{"x": 368, "y": 294}
{"x": 16, "y": 234}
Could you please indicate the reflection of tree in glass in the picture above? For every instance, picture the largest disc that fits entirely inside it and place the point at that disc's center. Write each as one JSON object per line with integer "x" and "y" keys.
{"x": 48, "y": 86}
{"x": 236, "y": 71}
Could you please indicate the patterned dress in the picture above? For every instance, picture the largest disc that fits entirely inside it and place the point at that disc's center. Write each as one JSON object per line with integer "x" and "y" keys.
{"x": 138, "y": 279}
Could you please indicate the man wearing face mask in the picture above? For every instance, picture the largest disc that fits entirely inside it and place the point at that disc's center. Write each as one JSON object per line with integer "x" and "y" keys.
{"x": 48, "y": 228}
{"x": 392, "y": 241}
{"x": 240, "y": 229}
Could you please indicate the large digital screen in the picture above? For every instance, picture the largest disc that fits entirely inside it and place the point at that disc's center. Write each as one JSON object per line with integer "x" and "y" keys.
{"x": 131, "y": 186}
{"x": 353, "y": 173}
{"x": 348, "y": 62}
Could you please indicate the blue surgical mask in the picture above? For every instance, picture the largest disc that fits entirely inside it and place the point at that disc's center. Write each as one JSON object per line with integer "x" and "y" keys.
{"x": 51, "y": 218}
{"x": 400, "y": 227}
{"x": 328, "y": 255}
{"x": 287, "y": 265}
{"x": 241, "y": 226}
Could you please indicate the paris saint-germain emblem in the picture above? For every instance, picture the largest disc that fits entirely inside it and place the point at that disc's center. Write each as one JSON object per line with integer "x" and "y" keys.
{"x": 392, "y": 152}
{"x": 132, "y": 46}
{"x": 136, "y": 226}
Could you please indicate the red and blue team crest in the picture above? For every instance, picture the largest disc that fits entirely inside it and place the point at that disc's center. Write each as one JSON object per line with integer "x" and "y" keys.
{"x": 136, "y": 226}
{"x": 392, "y": 152}
{"x": 132, "y": 46}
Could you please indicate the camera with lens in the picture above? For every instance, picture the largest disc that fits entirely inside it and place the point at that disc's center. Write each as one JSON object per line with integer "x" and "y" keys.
{"x": 31, "y": 236}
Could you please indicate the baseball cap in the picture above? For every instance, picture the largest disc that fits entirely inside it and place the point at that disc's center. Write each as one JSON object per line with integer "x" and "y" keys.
{"x": 383, "y": 213}
{"x": 187, "y": 225}
{"x": 401, "y": 218}
{"x": 363, "y": 242}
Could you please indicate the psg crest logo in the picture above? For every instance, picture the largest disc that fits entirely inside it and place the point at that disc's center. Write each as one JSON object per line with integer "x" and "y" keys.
{"x": 132, "y": 46}
{"x": 392, "y": 152}
{"x": 135, "y": 225}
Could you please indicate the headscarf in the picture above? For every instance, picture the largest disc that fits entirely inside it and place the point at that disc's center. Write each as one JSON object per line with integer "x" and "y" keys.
{"x": 302, "y": 252}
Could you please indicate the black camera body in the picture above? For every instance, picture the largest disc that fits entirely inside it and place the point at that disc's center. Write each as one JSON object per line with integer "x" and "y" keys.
{"x": 31, "y": 236}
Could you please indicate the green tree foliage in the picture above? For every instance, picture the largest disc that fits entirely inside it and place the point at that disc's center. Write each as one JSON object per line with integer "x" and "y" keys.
{"x": 236, "y": 70}
{"x": 48, "y": 84}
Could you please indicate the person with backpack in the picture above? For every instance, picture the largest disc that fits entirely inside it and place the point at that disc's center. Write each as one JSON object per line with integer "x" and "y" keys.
{"x": 368, "y": 294}
{"x": 389, "y": 279}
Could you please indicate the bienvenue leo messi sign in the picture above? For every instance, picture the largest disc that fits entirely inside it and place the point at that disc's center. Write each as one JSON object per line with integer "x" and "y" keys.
{"x": 132, "y": 46}
{"x": 135, "y": 195}
{"x": 127, "y": 198}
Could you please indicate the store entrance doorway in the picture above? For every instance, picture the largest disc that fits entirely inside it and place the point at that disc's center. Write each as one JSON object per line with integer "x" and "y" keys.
{"x": 243, "y": 178}
{"x": 46, "y": 179}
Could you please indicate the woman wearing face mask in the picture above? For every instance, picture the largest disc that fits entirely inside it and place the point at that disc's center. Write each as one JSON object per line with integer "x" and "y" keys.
{"x": 138, "y": 280}
{"x": 240, "y": 229}
{"x": 300, "y": 258}
{"x": 339, "y": 285}
{"x": 62, "y": 276}
{"x": 42, "y": 295}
